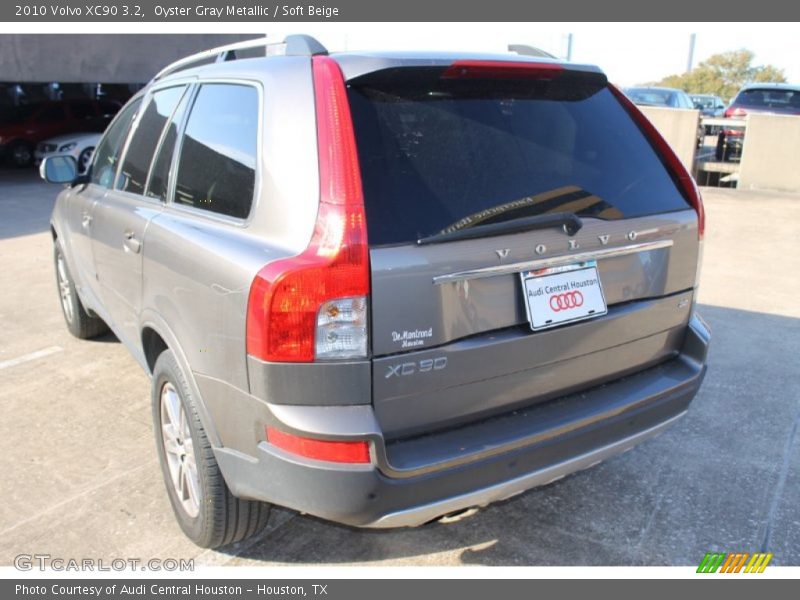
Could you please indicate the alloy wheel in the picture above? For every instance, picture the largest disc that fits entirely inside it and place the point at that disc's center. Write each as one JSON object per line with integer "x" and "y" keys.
{"x": 179, "y": 450}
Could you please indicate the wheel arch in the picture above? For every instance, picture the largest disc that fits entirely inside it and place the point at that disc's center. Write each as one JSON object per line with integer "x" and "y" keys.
{"x": 155, "y": 337}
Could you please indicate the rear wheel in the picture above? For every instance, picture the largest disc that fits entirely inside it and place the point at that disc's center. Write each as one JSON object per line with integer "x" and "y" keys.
{"x": 206, "y": 510}
{"x": 80, "y": 323}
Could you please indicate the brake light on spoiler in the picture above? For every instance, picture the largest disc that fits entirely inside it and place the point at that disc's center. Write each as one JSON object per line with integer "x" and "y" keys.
{"x": 501, "y": 69}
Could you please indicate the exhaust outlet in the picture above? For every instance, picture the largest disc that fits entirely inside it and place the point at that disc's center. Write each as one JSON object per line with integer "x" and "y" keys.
{"x": 455, "y": 517}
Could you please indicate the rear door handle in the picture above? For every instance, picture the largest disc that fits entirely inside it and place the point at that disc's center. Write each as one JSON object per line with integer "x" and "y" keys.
{"x": 86, "y": 221}
{"x": 131, "y": 243}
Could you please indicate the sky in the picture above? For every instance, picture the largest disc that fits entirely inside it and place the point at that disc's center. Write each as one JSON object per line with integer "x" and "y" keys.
{"x": 629, "y": 53}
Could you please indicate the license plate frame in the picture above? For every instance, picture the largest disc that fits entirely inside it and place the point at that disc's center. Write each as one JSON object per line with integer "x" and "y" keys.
{"x": 556, "y": 296}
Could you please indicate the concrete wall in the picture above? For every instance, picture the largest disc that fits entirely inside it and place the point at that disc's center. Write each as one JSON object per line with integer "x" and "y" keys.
{"x": 771, "y": 153}
{"x": 679, "y": 127}
{"x": 105, "y": 58}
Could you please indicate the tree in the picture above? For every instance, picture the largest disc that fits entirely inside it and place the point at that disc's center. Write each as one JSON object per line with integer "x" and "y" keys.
{"x": 723, "y": 74}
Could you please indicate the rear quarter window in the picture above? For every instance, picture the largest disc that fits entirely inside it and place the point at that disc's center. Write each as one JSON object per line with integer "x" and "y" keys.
{"x": 217, "y": 164}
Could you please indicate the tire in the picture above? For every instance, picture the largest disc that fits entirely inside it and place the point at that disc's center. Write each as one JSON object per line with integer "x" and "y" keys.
{"x": 719, "y": 151}
{"x": 206, "y": 510}
{"x": 20, "y": 154}
{"x": 80, "y": 323}
{"x": 83, "y": 159}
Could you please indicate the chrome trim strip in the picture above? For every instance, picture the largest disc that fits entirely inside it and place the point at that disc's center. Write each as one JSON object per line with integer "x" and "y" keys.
{"x": 422, "y": 514}
{"x": 553, "y": 261}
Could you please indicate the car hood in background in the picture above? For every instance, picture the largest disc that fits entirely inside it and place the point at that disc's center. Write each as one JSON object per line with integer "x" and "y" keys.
{"x": 78, "y": 138}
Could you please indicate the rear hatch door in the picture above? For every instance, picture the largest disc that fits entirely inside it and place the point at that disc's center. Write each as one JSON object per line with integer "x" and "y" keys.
{"x": 475, "y": 174}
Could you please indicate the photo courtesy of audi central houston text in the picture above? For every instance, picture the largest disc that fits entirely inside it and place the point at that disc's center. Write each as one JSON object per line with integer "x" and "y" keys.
{"x": 382, "y": 288}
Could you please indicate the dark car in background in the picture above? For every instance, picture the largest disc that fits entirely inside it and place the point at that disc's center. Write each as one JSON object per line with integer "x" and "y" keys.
{"x": 23, "y": 127}
{"x": 709, "y": 105}
{"x": 665, "y": 98}
{"x": 770, "y": 98}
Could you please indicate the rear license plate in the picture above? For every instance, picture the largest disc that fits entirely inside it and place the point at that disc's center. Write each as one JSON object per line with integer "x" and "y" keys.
{"x": 560, "y": 295}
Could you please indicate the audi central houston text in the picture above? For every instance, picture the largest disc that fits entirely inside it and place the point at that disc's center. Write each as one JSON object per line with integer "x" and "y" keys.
{"x": 383, "y": 288}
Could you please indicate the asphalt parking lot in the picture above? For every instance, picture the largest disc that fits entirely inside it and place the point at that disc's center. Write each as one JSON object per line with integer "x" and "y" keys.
{"x": 81, "y": 479}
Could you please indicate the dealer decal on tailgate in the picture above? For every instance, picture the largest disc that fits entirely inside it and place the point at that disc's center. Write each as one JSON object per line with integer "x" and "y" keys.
{"x": 560, "y": 295}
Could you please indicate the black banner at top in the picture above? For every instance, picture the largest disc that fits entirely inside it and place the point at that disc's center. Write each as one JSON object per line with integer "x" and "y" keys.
{"x": 210, "y": 11}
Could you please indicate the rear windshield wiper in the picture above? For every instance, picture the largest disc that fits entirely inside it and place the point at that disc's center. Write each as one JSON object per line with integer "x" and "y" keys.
{"x": 569, "y": 221}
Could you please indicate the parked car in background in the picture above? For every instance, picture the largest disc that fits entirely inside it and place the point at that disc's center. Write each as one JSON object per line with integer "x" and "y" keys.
{"x": 23, "y": 127}
{"x": 384, "y": 288}
{"x": 665, "y": 98}
{"x": 659, "y": 96}
{"x": 708, "y": 104}
{"x": 78, "y": 145}
{"x": 771, "y": 98}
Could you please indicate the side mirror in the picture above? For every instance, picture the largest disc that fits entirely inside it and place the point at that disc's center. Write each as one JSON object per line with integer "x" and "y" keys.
{"x": 59, "y": 169}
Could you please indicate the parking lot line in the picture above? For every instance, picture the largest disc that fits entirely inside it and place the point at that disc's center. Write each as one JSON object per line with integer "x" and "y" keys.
{"x": 29, "y": 357}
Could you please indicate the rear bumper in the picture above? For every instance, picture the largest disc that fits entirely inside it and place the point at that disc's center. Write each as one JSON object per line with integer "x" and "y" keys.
{"x": 417, "y": 515}
{"x": 415, "y": 480}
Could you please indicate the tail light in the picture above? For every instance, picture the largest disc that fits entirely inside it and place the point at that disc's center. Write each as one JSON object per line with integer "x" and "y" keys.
{"x": 314, "y": 305}
{"x": 331, "y": 451}
{"x": 735, "y": 112}
{"x": 501, "y": 69}
{"x": 680, "y": 174}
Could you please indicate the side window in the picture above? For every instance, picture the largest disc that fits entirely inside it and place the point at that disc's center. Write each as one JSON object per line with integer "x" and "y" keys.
{"x": 216, "y": 168}
{"x": 142, "y": 147}
{"x": 159, "y": 174}
{"x": 106, "y": 157}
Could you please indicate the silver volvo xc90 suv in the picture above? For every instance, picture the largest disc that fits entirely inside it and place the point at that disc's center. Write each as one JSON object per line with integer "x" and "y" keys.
{"x": 381, "y": 288}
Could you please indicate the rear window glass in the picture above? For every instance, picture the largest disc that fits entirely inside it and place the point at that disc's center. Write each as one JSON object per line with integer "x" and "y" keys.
{"x": 436, "y": 151}
{"x": 652, "y": 97}
{"x": 769, "y": 98}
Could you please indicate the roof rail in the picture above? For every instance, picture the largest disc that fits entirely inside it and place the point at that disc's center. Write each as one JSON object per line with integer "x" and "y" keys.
{"x": 292, "y": 45}
{"x": 525, "y": 50}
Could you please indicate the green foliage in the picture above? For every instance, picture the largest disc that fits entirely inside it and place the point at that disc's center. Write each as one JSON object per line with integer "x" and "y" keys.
{"x": 723, "y": 75}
